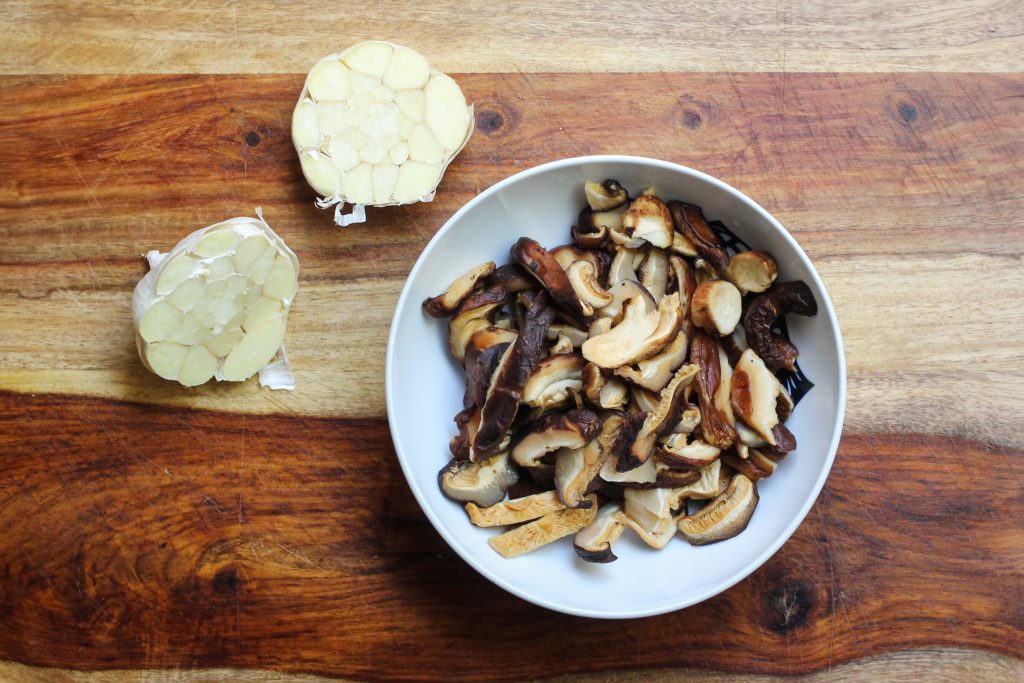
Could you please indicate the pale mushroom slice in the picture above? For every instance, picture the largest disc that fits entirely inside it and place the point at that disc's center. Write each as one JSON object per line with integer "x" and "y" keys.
{"x": 444, "y": 304}
{"x": 574, "y": 334}
{"x": 514, "y": 511}
{"x": 583, "y": 278}
{"x": 754, "y": 395}
{"x": 716, "y": 307}
{"x": 677, "y": 452}
{"x": 709, "y": 483}
{"x": 216, "y": 306}
{"x": 375, "y": 125}
{"x": 576, "y": 468}
{"x": 540, "y": 532}
{"x": 751, "y": 271}
{"x": 638, "y": 336}
{"x": 551, "y": 380}
{"x": 725, "y": 516}
{"x": 606, "y": 195}
{"x": 649, "y": 512}
{"x": 484, "y": 483}
{"x": 593, "y": 543}
{"x": 574, "y": 429}
{"x": 654, "y": 272}
{"x": 661, "y": 420}
{"x": 656, "y": 372}
{"x": 646, "y": 221}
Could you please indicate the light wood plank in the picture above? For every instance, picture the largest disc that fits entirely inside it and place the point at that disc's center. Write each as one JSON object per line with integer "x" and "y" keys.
{"x": 212, "y": 36}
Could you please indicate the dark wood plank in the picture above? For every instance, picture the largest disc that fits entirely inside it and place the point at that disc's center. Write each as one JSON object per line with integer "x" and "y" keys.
{"x": 134, "y": 536}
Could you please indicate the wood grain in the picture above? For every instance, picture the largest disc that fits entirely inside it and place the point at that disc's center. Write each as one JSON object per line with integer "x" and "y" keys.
{"x": 904, "y": 190}
{"x": 212, "y": 36}
{"x": 921, "y": 666}
{"x": 135, "y": 536}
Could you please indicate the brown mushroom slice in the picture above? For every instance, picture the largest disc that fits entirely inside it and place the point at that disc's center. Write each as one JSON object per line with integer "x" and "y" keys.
{"x": 593, "y": 383}
{"x": 543, "y": 266}
{"x": 756, "y": 466}
{"x": 464, "y": 325}
{"x": 593, "y": 543}
{"x": 716, "y": 307}
{"x": 754, "y": 395}
{"x": 484, "y": 483}
{"x": 751, "y": 271}
{"x": 576, "y": 469}
{"x": 605, "y": 195}
{"x": 661, "y": 420}
{"x": 714, "y": 426}
{"x": 551, "y": 378}
{"x": 783, "y": 297}
{"x": 480, "y": 367}
{"x": 677, "y": 453}
{"x": 568, "y": 254}
{"x": 592, "y": 227}
{"x": 513, "y": 277}
{"x": 689, "y": 221}
{"x": 671, "y": 477}
{"x": 725, "y": 516}
{"x": 646, "y": 221}
{"x": 654, "y": 273}
{"x": 575, "y": 335}
{"x": 574, "y": 429}
{"x": 502, "y": 401}
{"x": 514, "y": 511}
{"x": 649, "y": 513}
{"x": 639, "y": 336}
{"x": 540, "y": 532}
{"x": 468, "y": 422}
{"x": 655, "y": 372}
{"x": 444, "y": 304}
{"x": 583, "y": 278}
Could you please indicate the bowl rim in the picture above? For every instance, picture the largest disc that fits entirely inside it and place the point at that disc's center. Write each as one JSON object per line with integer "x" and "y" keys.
{"x": 726, "y": 582}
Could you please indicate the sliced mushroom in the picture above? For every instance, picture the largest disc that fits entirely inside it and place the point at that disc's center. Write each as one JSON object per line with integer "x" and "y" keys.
{"x": 514, "y": 511}
{"x": 725, "y": 516}
{"x": 756, "y": 466}
{"x": 496, "y": 294}
{"x": 543, "y": 266}
{"x": 622, "y": 267}
{"x": 655, "y": 372}
{"x": 723, "y": 401}
{"x": 710, "y": 482}
{"x": 598, "y": 327}
{"x": 593, "y": 227}
{"x": 574, "y": 429}
{"x": 502, "y": 400}
{"x": 783, "y": 297}
{"x": 622, "y": 292}
{"x": 679, "y": 454}
{"x": 661, "y": 421}
{"x": 443, "y": 305}
{"x": 583, "y": 278}
{"x": 576, "y": 469}
{"x": 568, "y": 254}
{"x": 575, "y": 335}
{"x": 654, "y": 273}
{"x": 593, "y": 543}
{"x": 540, "y": 532}
{"x": 751, "y": 271}
{"x": 468, "y": 422}
{"x": 688, "y": 421}
{"x": 480, "y": 367}
{"x": 562, "y": 346}
{"x": 716, "y": 307}
{"x": 613, "y": 395}
{"x": 646, "y": 473}
{"x": 606, "y": 195}
{"x": 689, "y": 221}
{"x": 548, "y": 385}
{"x": 714, "y": 426}
{"x": 513, "y": 277}
{"x": 467, "y": 323}
{"x": 646, "y": 221}
{"x": 638, "y": 337}
{"x": 649, "y": 513}
{"x": 703, "y": 271}
{"x": 754, "y": 395}
{"x": 484, "y": 483}
{"x": 683, "y": 245}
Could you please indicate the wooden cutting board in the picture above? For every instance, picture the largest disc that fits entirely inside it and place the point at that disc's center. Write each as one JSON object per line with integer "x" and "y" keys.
{"x": 201, "y": 532}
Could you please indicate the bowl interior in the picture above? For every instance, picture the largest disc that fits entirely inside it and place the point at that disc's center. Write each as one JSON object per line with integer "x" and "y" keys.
{"x": 425, "y": 386}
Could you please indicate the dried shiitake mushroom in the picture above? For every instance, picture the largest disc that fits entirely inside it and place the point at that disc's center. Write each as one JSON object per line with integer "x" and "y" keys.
{"x": 615, "y": 374}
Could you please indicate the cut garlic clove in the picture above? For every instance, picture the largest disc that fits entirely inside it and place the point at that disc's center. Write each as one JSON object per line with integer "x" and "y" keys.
{"x": 256, "y": 277}
{"x": 389, "y": 140}
{"x": 370, "y": 58}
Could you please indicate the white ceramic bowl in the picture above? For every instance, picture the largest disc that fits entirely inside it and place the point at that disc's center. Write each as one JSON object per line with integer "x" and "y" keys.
{"x": 424, "y": 387}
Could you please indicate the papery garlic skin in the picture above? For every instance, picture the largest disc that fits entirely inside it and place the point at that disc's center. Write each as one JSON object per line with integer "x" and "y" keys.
{"x": 216, "y": 306}
{"x": 376, "y": 126}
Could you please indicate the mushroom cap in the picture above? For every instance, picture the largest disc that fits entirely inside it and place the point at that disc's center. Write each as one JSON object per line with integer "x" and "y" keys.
{"x": 484, "y": 483}
{"x": 444, "y": 304}
{"x": 725, "y": 516}
{"x": 593, "y": 543}
{"x": 551, "y": 378}
{"x": 555, "y": 431}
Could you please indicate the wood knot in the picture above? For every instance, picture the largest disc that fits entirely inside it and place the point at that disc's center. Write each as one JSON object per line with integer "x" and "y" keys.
{"x": 227, "y": 581}
{"x": 494, "y": 118}
{"x": 692, "y": 113}
{"x": 912, "y": 109}
{"x": 692, "y": 119}
{"x": 788, "y": 606}
{"x": 253, "y": 139}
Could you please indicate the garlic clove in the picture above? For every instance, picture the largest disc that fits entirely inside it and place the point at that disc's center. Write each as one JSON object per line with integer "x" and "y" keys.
{"x": 329, "y": 80}
{"x": 415, "y": 180}
{"x": 370, "y": 58}
{"x": 446, "y": 111}
{"x": 256, "y": 349}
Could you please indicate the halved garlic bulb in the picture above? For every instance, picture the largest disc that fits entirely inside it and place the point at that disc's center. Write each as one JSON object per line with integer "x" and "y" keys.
{"x": 376, "y": 126}
{"x": 216, "y": 306}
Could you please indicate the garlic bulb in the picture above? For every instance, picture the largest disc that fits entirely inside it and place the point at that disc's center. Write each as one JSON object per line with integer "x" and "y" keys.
{"x": 376, "y": 126}
{"x": 216, "y": 306}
